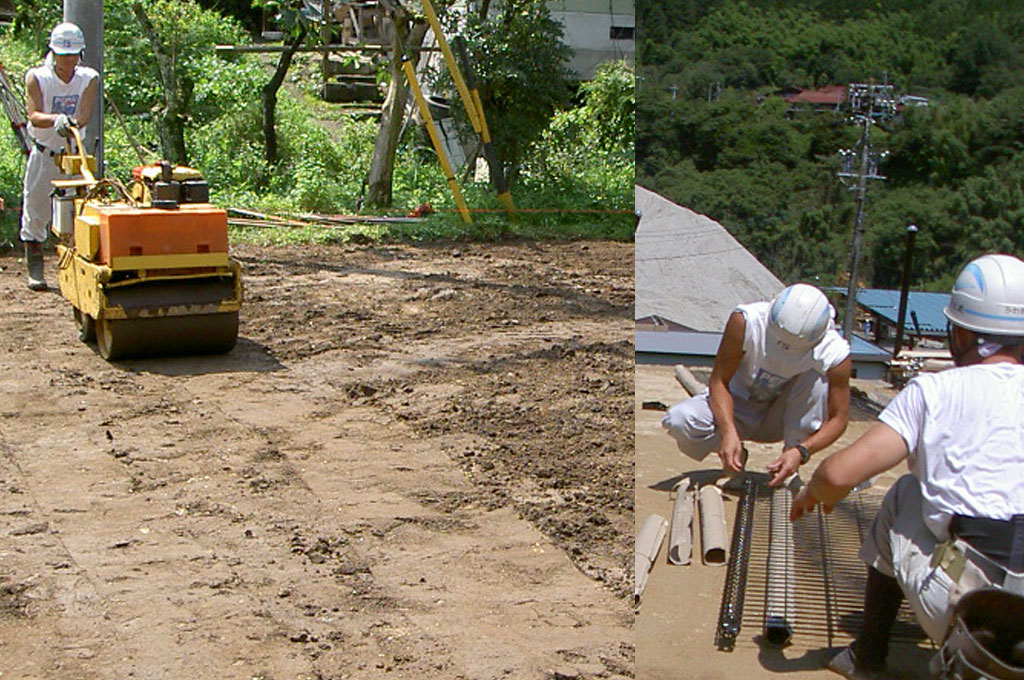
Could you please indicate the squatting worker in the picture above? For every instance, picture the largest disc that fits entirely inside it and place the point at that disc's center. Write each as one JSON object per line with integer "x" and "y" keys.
{"x": 60, "y": 93}
{"x": 962, "y": 433}
{"x": 782, "y": 373}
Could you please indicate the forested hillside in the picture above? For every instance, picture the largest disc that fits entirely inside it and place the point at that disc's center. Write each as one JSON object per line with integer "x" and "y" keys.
{"x": 715, "y": 134}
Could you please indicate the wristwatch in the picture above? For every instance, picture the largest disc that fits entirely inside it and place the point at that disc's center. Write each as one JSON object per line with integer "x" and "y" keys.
{"x": 805, "y": 455}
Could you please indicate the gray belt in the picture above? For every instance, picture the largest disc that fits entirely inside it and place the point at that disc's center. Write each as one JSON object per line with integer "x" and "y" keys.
{"x": 1000, "y": 540}
{"x": 952, "y": 557}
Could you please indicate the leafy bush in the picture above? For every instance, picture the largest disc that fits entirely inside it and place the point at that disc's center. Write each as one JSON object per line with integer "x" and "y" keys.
{"x": 189, "y": 32}
{"x": 34, "y": 20}
{"x": 581, "y": 168}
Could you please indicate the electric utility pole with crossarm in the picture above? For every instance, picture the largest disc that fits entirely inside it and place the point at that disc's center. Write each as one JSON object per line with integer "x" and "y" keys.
{"x": 868, "y": 103}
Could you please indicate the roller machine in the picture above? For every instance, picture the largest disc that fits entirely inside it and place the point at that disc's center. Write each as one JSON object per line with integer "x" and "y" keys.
{"x": 146, "y": 268}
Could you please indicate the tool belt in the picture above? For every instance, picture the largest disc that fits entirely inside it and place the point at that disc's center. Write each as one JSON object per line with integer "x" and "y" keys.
{"x": 42, "y": 148}
{"x": 983, "y": 639}
{"x": 970, "y": 569}
{"x": 1002, "y": 541}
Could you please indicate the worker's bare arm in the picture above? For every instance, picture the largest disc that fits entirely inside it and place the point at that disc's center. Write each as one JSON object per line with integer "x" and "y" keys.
{"x": 34, "y": 104}
{"x": 727, "y": 360}
{"x": 877, "y": 450}
{"x": 838, "y": 417}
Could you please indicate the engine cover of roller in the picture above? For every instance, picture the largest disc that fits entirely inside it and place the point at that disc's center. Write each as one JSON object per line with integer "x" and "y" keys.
{"x": 150, "y": 275}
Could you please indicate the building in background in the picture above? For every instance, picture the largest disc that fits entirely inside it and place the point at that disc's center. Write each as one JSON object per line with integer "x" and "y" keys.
{"x": 596, "y": 30}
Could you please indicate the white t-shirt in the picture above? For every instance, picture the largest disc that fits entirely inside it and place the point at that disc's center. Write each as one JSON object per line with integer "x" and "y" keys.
{"x": 766, "y": 368}
{"x": 965, "y": 431}
{"x": 59, "y": 97}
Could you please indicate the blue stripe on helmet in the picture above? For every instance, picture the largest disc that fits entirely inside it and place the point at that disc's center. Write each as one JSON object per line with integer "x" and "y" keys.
{"x": 975, "y": 271}
{"x": 779, "y": 303}
{"x": 823, "y": 319}
{"x": 997, "y": 317}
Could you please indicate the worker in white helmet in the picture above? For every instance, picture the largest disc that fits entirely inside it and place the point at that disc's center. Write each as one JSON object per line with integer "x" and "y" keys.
{"x": 60, "y": 94}
{"x": 782, "y": 373}
{"x": 956, "y": 521}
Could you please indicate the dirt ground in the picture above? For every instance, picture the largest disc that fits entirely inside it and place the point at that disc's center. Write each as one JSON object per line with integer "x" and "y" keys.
{"x": 678, "y": 615}
{"x": 416, "y": 463}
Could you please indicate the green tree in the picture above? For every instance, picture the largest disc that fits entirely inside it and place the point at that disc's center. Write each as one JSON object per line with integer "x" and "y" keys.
{"x": 246, "y": 12}
{"x": 166, "y": 51}
{"x": 984, "y": 59}
{"x": 294, "y": 19}
{"x": 520, "y": 63}
{"x": 609, "y": 104}
{"x": 35, "y": 19}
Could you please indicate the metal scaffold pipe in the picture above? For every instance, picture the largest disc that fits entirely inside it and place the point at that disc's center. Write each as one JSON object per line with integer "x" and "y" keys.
{"x": 338, "y": 48}
{"x": 88, "y": 15}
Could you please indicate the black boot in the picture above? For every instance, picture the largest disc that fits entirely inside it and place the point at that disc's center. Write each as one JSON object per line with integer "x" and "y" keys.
{"x": 882, "y": 599}
{"x": 865, "y": 658}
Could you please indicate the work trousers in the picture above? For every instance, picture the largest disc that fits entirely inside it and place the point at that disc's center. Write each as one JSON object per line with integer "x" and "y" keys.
{"x": 899, "y": 544}
{"x": 40, "y": 171}
{"x": 791, "y": 417}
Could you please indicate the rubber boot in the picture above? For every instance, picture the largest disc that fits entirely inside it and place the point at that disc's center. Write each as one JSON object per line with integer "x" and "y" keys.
{"x": 34, "y": 261}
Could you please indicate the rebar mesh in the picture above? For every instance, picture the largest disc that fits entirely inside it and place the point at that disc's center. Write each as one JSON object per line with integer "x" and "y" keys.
{"x": 828, "y": 576}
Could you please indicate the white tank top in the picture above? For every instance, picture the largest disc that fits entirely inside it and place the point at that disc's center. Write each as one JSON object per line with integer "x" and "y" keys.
{"x": 59, "y": 97}
{"x": 765, "y": 368}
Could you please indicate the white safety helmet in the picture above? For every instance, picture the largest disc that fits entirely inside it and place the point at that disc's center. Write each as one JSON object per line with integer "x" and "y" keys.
{"x": 67, "y": 38}
{"x": 799, "y": 317}
{"x": 988, "y": 296}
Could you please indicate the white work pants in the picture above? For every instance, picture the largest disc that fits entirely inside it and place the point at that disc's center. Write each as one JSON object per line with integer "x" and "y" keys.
{"x": 899, "y": 544}
{"x": 40, "y": 171}
{"x": 791, "y": 417}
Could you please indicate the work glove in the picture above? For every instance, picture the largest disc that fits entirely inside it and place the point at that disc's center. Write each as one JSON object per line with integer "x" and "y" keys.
{"x": 63, "y": 123}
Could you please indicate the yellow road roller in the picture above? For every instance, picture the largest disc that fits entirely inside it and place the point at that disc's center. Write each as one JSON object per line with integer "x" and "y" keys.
{"x": 146, "y": 268}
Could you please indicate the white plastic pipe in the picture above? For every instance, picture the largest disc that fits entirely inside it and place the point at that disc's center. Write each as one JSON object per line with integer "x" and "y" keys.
{"x": 688, "y": 380}
{"x": 680, "y": 541}
{"x": 645, "y": 551}
{"x": 713, "y": 532}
